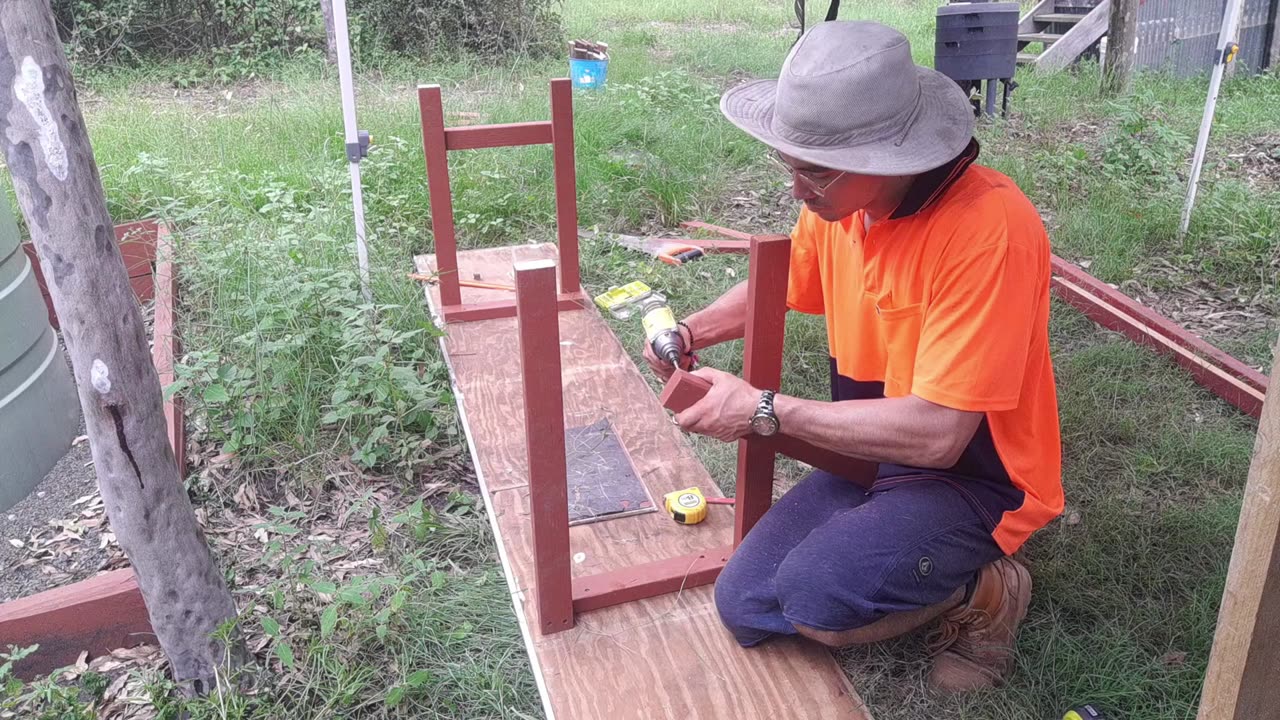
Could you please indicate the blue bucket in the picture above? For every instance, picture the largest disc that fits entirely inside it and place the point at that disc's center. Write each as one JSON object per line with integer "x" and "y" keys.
{"x": 589, "y": 74}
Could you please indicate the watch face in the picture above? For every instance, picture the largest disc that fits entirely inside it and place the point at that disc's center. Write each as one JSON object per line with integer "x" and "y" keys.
{"x": 764, "y": 425}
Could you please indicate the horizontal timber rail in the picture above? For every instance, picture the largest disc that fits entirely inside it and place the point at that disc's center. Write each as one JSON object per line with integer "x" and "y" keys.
{"x": 495, "y": 136}
{"x": 655, "y": 578}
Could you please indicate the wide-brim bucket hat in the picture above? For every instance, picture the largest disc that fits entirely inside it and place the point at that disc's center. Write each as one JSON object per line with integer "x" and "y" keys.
{"x": 851, "y": 98}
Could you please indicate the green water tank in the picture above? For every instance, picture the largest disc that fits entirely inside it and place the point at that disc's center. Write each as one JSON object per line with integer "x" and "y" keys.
{"x": 39, "y": 410}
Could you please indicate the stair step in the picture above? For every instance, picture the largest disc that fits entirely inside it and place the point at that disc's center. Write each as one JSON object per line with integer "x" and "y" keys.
{"x": 1027, "y": 58}
{"x": 1059, "y": 18}
{"x": 1040, "y": 37}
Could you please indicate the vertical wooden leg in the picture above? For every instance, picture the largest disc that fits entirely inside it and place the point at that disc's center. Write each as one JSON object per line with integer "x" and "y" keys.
{"x": 762, "y": 367}
{"x": 566, "y": 183}
{"x": 539, "y": 323}
{"x": 1240, "y": 683}
{"x": 436, "y": 153}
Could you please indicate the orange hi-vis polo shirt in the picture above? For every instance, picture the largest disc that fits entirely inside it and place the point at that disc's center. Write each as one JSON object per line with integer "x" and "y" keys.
{"x": 948, "y": 299}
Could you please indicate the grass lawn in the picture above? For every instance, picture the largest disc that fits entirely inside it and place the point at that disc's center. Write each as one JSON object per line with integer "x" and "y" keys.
{"x": 332, "y": 478}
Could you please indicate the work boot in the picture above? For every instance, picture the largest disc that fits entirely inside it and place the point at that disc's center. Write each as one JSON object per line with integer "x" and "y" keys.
{"x": 973, "y": 647}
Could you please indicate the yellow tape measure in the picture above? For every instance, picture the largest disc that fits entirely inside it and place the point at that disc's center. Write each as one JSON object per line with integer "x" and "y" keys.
{"x": 1084, "y": 712}
{"x": 687, "y": 507}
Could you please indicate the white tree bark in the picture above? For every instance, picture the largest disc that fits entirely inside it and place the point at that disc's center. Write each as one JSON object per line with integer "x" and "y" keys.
{"x": 47, "y": 149}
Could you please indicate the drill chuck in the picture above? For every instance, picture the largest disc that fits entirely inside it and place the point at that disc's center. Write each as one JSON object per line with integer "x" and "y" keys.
{"x": 661, "y": 330}
{"x": 668, "y": 345}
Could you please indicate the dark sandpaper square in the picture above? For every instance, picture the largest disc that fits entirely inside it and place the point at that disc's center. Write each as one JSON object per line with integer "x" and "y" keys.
{"x": 602, "y": 482}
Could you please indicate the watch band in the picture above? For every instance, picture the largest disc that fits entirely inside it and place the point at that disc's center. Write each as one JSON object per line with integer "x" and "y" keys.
{"x": 765, "y": 406}
{"x": 765, "y": 412}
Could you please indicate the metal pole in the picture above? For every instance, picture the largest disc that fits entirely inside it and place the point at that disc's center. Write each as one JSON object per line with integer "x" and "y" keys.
{"x": 1230, "y": 22}
{"x": 355, "y": 147}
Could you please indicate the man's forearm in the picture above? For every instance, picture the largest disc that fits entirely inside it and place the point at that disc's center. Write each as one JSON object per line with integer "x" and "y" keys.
{"x": 905, "y": 431}
{"x": 721, "y": 321}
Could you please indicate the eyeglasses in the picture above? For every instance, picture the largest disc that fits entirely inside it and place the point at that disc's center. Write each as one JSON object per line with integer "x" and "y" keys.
{"x": 817, "y": 183}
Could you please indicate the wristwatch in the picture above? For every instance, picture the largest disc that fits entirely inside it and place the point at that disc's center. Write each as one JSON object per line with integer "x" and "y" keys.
{"x": 765, "y": 421}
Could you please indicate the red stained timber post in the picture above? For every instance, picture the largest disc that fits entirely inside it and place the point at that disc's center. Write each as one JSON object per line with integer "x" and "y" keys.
{"x": 435, "y": 151}
{"x": 539, "y": 324}
{"x": 566, "y": 183}
{"x": 166, "y": 347}
{"x": 762, "y": 368}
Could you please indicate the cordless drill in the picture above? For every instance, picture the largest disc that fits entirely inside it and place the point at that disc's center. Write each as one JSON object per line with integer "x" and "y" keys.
{"x": 661, "y": 330}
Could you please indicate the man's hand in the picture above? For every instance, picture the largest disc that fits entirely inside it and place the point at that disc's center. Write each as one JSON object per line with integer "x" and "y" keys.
{"x": 724, "y": 413}
{"x": 661, "y": 367}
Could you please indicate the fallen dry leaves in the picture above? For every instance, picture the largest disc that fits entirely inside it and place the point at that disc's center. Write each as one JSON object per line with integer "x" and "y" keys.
{"x": 259, "y": 520}
{"x": 57, "y": 547}
{"x": 1212, "y": 311}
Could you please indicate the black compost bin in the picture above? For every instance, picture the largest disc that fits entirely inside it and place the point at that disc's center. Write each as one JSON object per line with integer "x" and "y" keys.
{"x": 977, "y": 40}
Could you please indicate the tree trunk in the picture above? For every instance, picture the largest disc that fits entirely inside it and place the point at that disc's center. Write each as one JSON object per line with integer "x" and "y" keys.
{"x": 1272, "y": 61}
{"x": 56, "y": 179}
{"x": 331, "y": 43}
{"x": 1122, "y": 47}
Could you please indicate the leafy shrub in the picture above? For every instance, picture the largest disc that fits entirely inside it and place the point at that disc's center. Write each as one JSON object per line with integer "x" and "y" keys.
{"x": 1145, "y": 148}
{"x": 100, "y": 31}
{"x": 430, "y": 27}
{"x": 241, "y": 34}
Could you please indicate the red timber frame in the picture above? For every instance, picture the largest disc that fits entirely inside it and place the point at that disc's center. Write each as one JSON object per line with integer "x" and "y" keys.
{"x": 438, "y": 140}
{"x": 558, "y": 595}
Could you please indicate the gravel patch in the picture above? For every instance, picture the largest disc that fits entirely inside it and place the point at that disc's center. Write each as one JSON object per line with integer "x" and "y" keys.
{"x": 58, "y": 534}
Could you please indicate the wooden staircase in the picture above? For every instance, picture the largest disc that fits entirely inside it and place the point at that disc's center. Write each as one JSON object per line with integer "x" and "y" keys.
{"x": 1066, "y": 29}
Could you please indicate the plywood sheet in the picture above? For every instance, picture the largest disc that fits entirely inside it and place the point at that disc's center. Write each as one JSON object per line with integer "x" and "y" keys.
{"x": 664, "y": 657}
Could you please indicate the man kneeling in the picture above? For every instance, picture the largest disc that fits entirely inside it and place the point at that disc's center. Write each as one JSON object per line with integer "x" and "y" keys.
{"x": 933, "y": 275}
